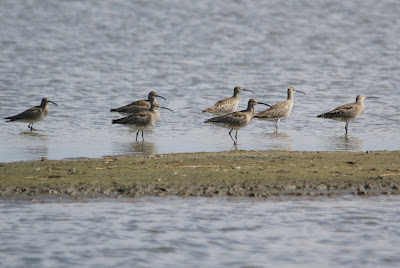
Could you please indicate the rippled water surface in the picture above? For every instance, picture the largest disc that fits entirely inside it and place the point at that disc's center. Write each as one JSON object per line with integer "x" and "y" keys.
{"x": 201, "y": 232}
{"x": 90, "y": 56}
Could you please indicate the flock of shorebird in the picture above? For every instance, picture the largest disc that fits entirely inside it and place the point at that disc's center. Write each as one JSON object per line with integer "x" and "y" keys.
{"x": 143, "y": 114}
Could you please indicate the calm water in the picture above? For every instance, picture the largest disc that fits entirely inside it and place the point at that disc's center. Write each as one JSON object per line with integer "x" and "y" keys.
{"x": 90, "y": 56}
{"x": 202, "y": 232}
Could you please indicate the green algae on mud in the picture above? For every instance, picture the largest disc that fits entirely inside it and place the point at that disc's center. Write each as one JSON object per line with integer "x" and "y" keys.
{"x": 233, "y": 173}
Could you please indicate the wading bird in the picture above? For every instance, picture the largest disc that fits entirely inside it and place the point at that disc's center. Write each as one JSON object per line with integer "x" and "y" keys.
{"x": 227, "y": 105}
{"x": 279, "y": 111}
{"x": 32, "y": 115}
{"x": 236, "y": 120}
{"x": 348, "y": 112}
{"x": 138, "y": 106}
{"x": 142, "y": 120}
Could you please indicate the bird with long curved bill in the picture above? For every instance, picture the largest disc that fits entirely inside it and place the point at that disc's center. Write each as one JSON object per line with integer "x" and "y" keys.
{"x": 227, "y": 105}
{"x": 236, "y": 120}
{"x": 142, "y": 120}
{"x": 32, "y": 115}
{"x": 138, "y": 106}
{"x": 348, "y": 112}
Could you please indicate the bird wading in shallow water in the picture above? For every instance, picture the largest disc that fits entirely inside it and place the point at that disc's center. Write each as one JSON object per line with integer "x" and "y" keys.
{"x": 139, "y": 106}
{"x": 32, "y": 115}
{"x": 142, "y": 120}
{"x": 348, "y": 112}
{"x": 227, "y": 105}
{"x": 279, "y": 111}
{"x": 236, "y": 120}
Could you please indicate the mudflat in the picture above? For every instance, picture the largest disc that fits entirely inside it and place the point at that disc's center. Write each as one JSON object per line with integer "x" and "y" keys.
{"x": 231, "y": 173}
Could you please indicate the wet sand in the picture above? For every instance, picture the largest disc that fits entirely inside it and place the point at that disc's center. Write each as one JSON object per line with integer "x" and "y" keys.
{"x": 233, "y": 173}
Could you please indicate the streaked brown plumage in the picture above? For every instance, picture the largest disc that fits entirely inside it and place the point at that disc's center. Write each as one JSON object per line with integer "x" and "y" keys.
{"x": 138, "y": 106}
{"x": 32, "y": 115}
{"x": 279, "y": 111}
{"x": 348, "y": 112}
{"x": 142, "y": 120}
{"x": 236, "y": 120}
{"x": 227, "y": 105}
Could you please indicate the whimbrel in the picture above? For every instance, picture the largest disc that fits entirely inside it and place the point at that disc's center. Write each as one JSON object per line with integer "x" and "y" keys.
{"x": 348, "y": 112}
{"x": 33, "y": 115}
{"x": 279, "y": 111}
{"x": 138, "y": 106}
{"x": 142, "y": 120}
{"x": 227, "y": 105}
{"x": 236, "y": 120}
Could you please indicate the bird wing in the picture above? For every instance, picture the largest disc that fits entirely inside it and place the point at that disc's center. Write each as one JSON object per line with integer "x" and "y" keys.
{"x": 238, "y": 116}
{"x": 138, "y": 119}
{"x": 136, "y": 106}
{"x": 30, "y": 114}
{"x": 277, "y": 110}
{"x": 228, "y": 118}
{"x": 140, "y": 103}
{"x": 224, "y": 105}
{"x": 344, "y": 111}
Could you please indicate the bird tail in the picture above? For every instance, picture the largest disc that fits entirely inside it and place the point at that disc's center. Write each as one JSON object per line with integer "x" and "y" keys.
{"x": 211, "y": 120}
{"x": 117, "y": 121}
{"x": 10, "y": 119}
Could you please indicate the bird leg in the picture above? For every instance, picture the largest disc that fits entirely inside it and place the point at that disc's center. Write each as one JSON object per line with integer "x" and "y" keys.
{"x": 234, "y": 142}
{"x": 346, "y": 127}
{"x": 236, "y": 136}
{"x": 142, "y": 135}
{"x": 30, "y": 126}
{"x": 137, "y": 133}
{"x": 276, "y": 125}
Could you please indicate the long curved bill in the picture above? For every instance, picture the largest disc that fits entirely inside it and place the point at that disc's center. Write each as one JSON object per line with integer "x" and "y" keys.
{"x": 53, "y": 103}
{"x": 166, "y": 109}
{"x": 301, "y": 92}
{"x": 264, "y": 104}
{"x": 249, "y": 90}
{"x": 158, "y": 96}
{"x": 371, "y": 97}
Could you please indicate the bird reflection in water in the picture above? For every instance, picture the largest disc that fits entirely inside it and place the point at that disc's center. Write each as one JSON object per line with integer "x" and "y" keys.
{"x": 36, "y": 145}
{"x": 279, "y": 141}
{"x": 347, "y": 143}
{"x": 145, "y": 148}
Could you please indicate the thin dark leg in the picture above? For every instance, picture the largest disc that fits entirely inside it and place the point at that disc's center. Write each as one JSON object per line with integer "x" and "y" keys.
{"x": 236, "y": 136}
{"x": 234, "y": 142}
{"x": 346, "y": 127}
{"x": 142, "y": 135}
{"x": 137, "y": 133}
{"x": 31, "y": 126}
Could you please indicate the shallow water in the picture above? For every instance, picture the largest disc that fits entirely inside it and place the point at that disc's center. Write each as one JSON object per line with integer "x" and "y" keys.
{"x": 90, "y": 56}
{"x": 201, "y": 232}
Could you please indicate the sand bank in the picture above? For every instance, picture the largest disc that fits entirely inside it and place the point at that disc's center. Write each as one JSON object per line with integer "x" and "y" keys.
{"x": 233, "y": 173}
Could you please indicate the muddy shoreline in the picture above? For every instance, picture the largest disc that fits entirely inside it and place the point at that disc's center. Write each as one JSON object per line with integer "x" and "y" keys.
{"x": 234, "y": 173}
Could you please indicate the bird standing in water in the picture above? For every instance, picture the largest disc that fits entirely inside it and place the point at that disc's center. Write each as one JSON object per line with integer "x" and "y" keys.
{"x": 32, "y": 115}
{"x": 236, "y": 120}
{"x": 138, "y": 106}
{"x": 279, "y": 111}
{"x": 348, "y": 112}
{"x": 227, "y": 105}
{"x": 142, "y": 120}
